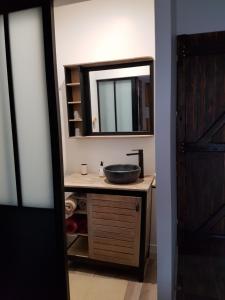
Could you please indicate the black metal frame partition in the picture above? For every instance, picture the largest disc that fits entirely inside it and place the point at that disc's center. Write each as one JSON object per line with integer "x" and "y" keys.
{"x": 6, "y": 7}
{"x": 133, "y": 98}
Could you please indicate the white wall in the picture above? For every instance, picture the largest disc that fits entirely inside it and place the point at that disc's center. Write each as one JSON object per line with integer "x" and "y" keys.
{"x": 116, "y": 29}
{"x": 195, "y": 16}
{"x": 100, "y": 30}
{"x": 165, "y": 99}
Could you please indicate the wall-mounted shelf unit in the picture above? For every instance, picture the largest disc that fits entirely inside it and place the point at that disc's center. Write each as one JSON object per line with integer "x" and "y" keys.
{"x": 74, "y": 95}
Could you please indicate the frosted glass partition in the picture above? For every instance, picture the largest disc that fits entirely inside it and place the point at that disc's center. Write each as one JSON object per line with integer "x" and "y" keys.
{"x": 29, "y": 79}
{"x": 107, "y": 107}
{"x": 124, "y": 105}
{"x": 8, "y": 194}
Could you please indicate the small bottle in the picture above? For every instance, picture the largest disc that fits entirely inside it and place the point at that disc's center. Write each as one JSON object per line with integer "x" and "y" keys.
{"x": 84, "y": 169}
{"x": 77, "y": 131}
{"x": 101, "y": 171}
{"x": 76, "y": 115}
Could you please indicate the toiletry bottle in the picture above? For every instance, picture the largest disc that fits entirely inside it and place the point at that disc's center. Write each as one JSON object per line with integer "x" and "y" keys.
{"x": 101, "y": 171}
{"x": 77, "y": 131}
{"x": 83, "y": 169}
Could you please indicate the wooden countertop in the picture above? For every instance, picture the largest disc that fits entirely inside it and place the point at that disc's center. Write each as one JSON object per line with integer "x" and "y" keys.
{"x": 94, "y": 181}
{"x": 154, "y": 183}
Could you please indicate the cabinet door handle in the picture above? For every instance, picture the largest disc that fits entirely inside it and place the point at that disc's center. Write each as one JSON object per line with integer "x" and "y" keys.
{"x": 137, "y": 206}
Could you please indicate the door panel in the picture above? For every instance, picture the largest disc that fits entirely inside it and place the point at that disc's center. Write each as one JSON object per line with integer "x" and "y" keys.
{"x": 218, "y": 229}
{"x": 204, "y": 94}
{"x": 111, "y": 240}
{"x": 30, "y": 93}
{"x": 219, "y": 136}
{"x": 32, "y": 252}
{"x": 204, "y": 188}
{"x": 8, "y": 194}
{"x": 29, "y": 261}
{"x": 200, "y": 132}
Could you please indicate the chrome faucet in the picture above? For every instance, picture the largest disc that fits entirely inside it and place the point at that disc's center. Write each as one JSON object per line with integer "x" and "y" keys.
{"x": 140, "y": 154}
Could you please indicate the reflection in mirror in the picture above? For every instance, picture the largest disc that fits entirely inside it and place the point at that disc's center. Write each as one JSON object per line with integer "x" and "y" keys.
{"x": 121, "y": 99}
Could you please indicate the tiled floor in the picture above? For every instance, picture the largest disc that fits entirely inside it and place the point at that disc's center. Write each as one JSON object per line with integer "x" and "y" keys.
{"x": 91, "y": 285}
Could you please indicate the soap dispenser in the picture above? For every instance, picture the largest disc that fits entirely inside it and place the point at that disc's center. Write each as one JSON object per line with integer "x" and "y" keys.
{"x": 101, "y": 171}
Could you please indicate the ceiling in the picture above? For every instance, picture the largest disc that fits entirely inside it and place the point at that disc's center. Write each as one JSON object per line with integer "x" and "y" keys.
{"x": 65, "y": 2}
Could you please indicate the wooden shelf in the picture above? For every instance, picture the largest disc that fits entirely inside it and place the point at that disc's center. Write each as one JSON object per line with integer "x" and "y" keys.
{"x": 112, "y": 136}
{"x": 70, "y": 239}
{"x": 77, "y": 234}
{"x": 76, "y": 120}
{"x": 82, "y": 234}
{"x": 93, "y": 181}
{"x": 80, "y": 212}
{"x": 79, "y": 247}
{"x": 73, "y": 84}
{"x": 74, "y": 102}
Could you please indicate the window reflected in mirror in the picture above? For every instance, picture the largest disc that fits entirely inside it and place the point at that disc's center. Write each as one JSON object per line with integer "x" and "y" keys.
{"x": 121, "y": 100}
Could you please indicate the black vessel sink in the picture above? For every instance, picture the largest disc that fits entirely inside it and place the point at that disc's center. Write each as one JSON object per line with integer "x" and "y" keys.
{"x": 122, "y": 174}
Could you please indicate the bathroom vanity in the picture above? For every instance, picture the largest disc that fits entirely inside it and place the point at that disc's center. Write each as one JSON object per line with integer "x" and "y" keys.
{"x": 118, "y": 223}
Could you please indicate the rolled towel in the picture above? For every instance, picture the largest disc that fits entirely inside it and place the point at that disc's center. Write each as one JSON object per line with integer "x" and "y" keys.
{"x": 82, "y": 204}
{"x": 70, "y": 206}
{"x": 71, "y": 226}
{"x": 81, "y": 222}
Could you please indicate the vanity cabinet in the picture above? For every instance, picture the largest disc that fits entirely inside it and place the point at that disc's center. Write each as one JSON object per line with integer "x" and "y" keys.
{"x": 118, "y": 224}
{"x": 114, "y": 226}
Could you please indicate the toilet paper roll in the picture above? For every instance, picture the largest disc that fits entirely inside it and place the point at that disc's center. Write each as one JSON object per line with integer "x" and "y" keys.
{"x": 82, "y": 204}
{"x": 70, "y": 206}
{"x": 84, "y": 169}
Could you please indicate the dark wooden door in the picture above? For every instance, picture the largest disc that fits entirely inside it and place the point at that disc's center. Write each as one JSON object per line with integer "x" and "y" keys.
{"x": 32, "y": 250}
{"x": 201, "y": 135}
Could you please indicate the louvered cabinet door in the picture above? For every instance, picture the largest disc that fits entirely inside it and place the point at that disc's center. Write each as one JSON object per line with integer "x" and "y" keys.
{"x": 114, "y": 225}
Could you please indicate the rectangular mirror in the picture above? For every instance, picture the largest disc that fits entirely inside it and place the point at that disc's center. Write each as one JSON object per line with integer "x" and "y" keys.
{"x": 111, "y": 98}
{"x": 120, "y": 99}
